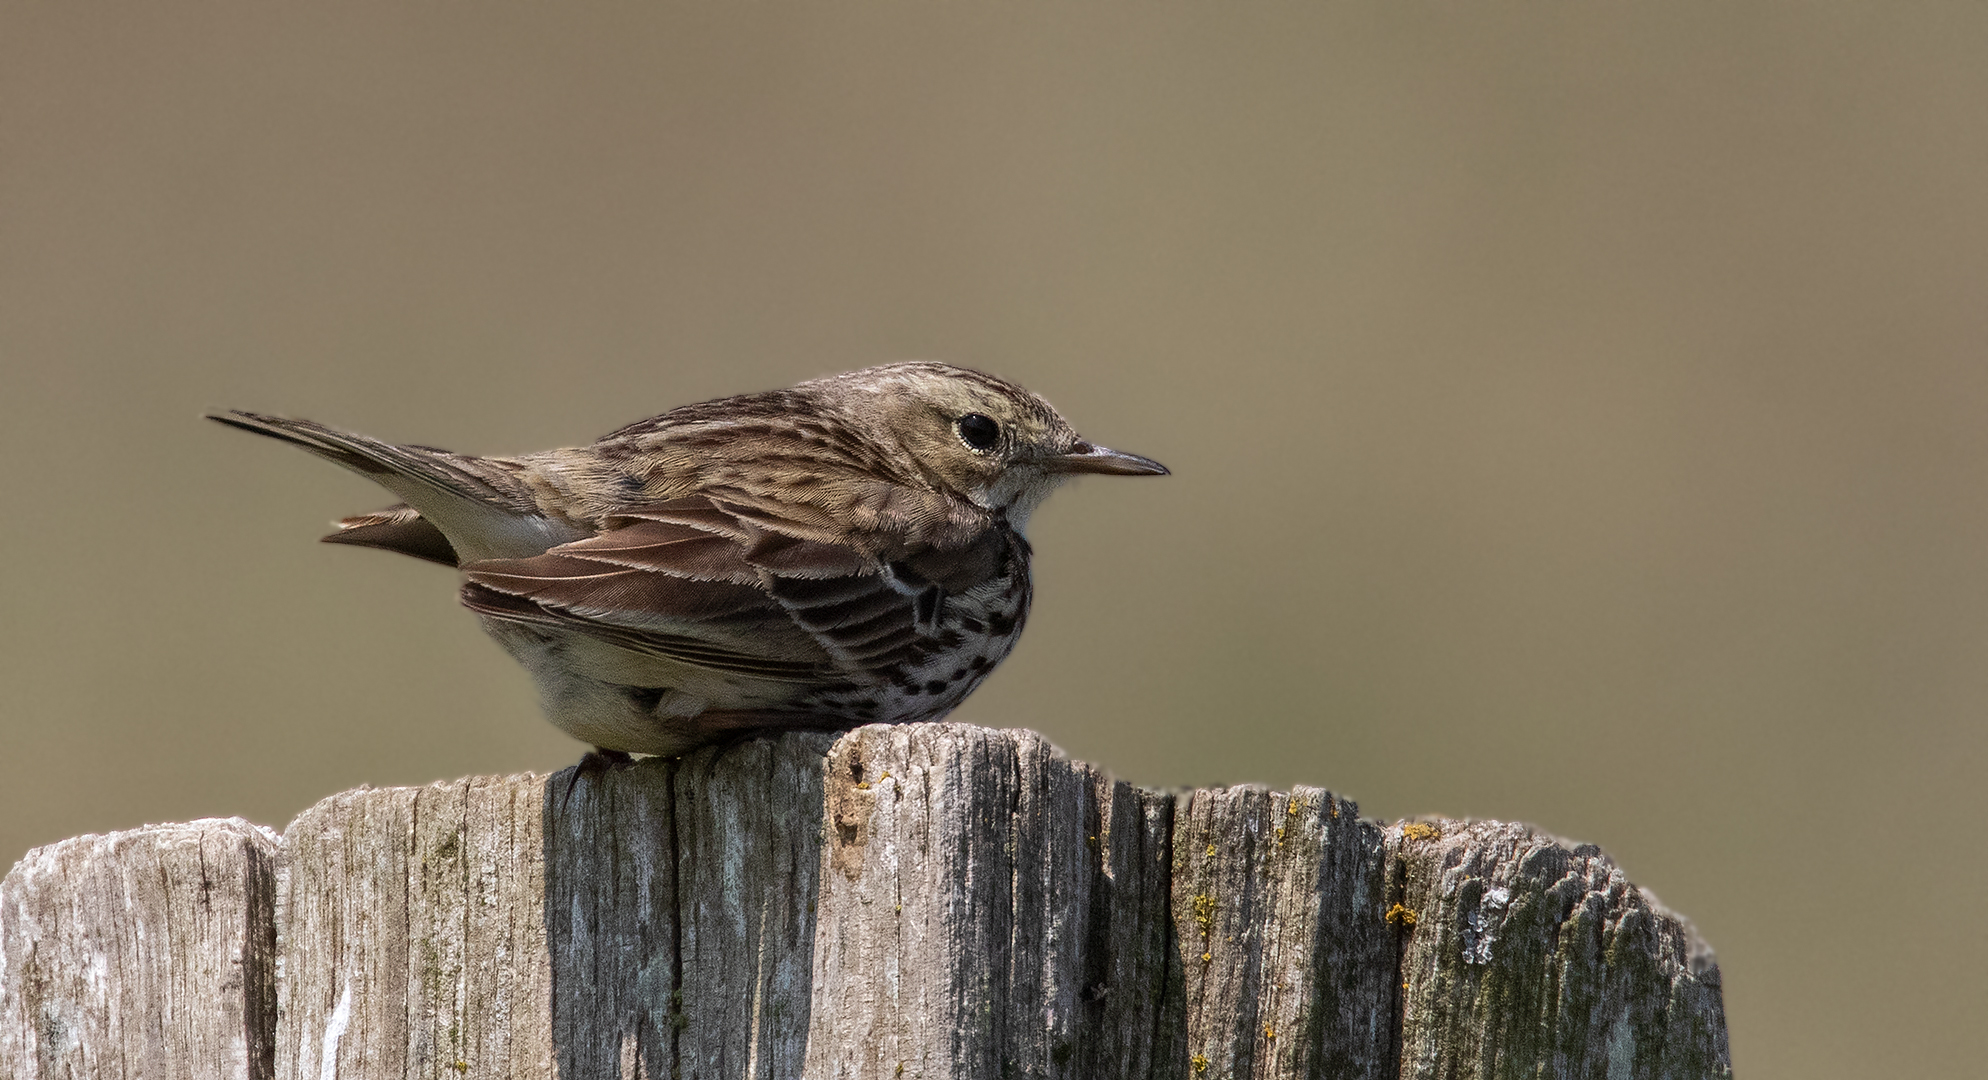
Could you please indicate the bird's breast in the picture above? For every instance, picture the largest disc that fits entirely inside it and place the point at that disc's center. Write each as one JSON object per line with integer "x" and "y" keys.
{"x": 973, "y": 631}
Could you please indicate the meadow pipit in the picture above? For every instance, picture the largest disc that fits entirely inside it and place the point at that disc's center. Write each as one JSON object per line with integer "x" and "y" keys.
{"x": 847, "y": 551}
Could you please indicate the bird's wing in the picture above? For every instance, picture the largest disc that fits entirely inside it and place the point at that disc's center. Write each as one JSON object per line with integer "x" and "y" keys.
{"x": 719, "y": 584}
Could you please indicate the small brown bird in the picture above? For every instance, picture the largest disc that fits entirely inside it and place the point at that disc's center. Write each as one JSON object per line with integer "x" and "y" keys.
{"x": 844, "y": 552}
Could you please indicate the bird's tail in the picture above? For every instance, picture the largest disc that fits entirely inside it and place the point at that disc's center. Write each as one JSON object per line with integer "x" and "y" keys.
{"x": 471, "y": 503}
{"x": 384, "y": 462}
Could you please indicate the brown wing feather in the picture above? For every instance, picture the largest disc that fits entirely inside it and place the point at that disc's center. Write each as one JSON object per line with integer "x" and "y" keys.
{"x": 678, "y": 551}
{"x": 696, "y": 511}
{"x": 677, "y": 647}
{"x": 605, "y": 592}
{"x": 705, "y": 581}
{"x": 790, "y": 557}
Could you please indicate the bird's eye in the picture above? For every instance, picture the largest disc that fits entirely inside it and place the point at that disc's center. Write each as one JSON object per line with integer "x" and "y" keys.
{"x": 979, "y": 432}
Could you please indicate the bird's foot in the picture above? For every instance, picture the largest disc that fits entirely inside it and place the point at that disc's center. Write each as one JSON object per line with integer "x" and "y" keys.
{"x": 593, "y": 766}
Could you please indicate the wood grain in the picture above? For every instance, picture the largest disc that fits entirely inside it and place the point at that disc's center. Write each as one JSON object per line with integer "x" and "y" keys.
{"x": 1529, "y": 956}
{"x": 143, "y": 953}
{"x": 1288, "y": 956}
{"x": 928, "y": 900}
{"x": 412, "y": 934}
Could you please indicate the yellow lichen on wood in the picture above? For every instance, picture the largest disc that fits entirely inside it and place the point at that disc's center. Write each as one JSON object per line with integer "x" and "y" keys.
{"x": 1204, "y": 913}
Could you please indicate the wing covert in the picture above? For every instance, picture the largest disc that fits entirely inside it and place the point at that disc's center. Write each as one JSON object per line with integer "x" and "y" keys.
{"x": 717, "y": 583}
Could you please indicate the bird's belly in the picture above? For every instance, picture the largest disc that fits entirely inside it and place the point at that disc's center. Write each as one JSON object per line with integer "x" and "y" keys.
{"x": 622, "y": 700}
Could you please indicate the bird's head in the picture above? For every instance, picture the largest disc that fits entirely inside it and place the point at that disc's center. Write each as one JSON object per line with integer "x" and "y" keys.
{"x": 972, "y": 435}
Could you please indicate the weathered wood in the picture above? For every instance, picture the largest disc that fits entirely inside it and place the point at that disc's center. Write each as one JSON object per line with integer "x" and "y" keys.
{"x": 611, "y": 920}
{"x": 655, "y": 919}
{"x": 931, "y": 900}
{"x": 988, "y": 908}
{"x": 1529, "y": 957}
{"x": 143, "y": 953}
{"x": 411, "y": 924}
{"x": 1289, "y": 961}
{"x": 748, "y": 859}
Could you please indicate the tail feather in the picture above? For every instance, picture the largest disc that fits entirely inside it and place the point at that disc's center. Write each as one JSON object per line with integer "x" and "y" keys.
{"x": 459, "y": 508}
{"x": 382, "y": 461}
{"x": 397, "y": 528}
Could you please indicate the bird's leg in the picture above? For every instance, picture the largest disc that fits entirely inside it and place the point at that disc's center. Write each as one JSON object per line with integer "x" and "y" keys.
{"x": 592, "y": 766}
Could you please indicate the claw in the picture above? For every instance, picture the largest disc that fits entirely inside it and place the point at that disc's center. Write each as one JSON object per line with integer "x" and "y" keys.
{"x": 594, "y": 765}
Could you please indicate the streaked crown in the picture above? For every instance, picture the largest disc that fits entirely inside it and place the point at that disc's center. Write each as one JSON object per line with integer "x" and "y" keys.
{"x": 970, "y": 434}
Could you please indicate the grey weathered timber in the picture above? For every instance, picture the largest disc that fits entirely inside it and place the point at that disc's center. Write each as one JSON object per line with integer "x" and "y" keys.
{"x": 412, "y": 930}
{"x": 143, "y": 953}
{"x": 611, "y": 921}
{"x": 988, "y": 909}
{"x": 931, "y": 900}
{"x": 1289, "y": 958}
{"x": 1529, "y": 957}
{"x": 655, "y": 919}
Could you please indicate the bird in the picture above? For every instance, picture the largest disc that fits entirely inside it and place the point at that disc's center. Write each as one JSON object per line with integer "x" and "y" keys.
{"x": 846, "y": 551}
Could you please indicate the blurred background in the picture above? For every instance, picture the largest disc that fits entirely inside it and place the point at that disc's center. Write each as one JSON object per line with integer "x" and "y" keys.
{"x": 1576, "y": 411}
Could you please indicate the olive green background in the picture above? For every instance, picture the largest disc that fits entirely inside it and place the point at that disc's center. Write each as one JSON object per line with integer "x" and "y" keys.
{"x": 1577, "y": 411}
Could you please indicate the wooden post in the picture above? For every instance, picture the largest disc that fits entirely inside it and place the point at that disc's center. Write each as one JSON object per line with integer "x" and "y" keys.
{"x": 930, "y": 900}
{"x": 145, "y": 953}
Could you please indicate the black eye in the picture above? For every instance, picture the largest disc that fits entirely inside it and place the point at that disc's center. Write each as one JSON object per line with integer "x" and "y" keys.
{"x": 979, "y": 432}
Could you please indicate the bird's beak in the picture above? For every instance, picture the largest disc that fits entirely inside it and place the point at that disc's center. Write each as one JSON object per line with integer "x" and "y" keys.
{"x": 1086, "y": 458}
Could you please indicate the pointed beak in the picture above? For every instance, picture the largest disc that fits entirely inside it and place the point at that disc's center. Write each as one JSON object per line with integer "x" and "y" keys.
{"x": 1086, "y": 458}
